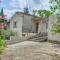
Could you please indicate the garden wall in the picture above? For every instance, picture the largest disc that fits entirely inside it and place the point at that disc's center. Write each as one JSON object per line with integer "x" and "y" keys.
{"x": 17, "y": 39}
{"x": 54, "y": 36}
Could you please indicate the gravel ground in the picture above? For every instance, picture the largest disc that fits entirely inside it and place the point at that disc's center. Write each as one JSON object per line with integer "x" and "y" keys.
{"x": 29, "y": 50}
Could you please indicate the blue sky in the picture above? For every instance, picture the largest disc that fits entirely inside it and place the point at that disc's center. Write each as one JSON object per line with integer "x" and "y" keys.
{"x": 12, "y": 6}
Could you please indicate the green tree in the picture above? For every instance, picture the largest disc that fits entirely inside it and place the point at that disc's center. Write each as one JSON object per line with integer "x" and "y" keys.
{"x": 34, "y": 12}
{"x": 2, "y": 13}
{"x": 2, "y": 41}
{"x": 44, "y": 13}
{"x": 54, "y": 5}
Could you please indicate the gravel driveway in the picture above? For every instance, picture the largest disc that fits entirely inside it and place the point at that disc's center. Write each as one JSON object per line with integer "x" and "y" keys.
{"x": 29, "y": 50}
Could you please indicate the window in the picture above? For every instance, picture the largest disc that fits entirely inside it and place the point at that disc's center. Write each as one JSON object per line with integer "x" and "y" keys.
{"x": 14, "y": 24}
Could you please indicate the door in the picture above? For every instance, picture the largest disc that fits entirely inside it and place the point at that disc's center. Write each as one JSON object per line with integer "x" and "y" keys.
{"x": 37, "y": 27}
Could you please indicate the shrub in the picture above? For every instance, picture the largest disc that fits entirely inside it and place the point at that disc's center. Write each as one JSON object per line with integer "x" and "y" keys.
{"x": 7, "y": 33}
{"x": 2, "y": 44}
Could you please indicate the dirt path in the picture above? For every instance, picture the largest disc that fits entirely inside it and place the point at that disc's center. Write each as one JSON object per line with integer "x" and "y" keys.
{"x": 29, "y": 50}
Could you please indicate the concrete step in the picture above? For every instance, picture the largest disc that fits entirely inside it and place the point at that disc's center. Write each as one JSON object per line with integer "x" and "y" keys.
{"x": 38, "y": 35}
{"x": 41, "y": 40}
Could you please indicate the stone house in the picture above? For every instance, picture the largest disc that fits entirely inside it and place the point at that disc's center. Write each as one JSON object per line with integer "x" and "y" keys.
{"x": 24, "y": 23}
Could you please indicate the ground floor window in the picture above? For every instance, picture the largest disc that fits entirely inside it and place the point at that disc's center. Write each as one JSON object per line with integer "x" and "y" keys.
{"x": 14, "y": 24}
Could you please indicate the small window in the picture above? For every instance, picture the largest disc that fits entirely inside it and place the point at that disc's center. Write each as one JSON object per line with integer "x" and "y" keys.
{"x": 14, "y": 24}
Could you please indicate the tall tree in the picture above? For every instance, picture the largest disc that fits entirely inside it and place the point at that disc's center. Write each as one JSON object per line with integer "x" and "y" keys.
{"x": 1, "y": 16}
{"x": 55, "y": 6}
{"x": 34, "y": 12}
{"x": 2, "y": 41}
{"x": 44, "y": 13}
{"x": 56, "y": 25}
{"x": 2, "y": 13}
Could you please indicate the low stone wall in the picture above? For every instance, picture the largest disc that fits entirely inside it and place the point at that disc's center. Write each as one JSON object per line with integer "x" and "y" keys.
{"x": 17, "y": 39}
{"x": 54, "y": 37}
{"x": 28, "y": 35}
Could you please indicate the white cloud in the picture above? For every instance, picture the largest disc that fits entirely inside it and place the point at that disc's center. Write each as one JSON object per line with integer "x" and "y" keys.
{"x": 18, "y": 5}
{"x": 39, "y": 5}
{"x": 14, "y": 5}
{"x": 9, "y": 13}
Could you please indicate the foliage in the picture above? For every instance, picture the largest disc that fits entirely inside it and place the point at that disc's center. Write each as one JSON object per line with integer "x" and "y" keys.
{"x": 2, "y": 45}
{"x": 56, "y": 25}
{"x": 34, "y": 12}
{"x": 44, "y": 13}
{"x": 1, "y": 13}
{"x": 8, "y": 32}
{"x": 2, "y": 42}
{"x": 54, "y": 5}
{"x": 2, "y": 17}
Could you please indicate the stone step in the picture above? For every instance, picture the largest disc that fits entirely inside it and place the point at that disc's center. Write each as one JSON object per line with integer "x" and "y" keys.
{"x": 38, "y": 35}
{"x": 41, "y": 40}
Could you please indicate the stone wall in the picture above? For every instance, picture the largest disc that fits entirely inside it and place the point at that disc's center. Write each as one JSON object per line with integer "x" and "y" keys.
{"x": 14, "y": 39}
{"x": 19, "y": 21}
{"x": 25, "y": 23}
{"x": 28, "y": 24}
{"x": 53, "y": 37}
{"x": 21, "y": 38}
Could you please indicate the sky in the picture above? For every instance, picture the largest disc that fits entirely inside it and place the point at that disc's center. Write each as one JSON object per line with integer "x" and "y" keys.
{"x": 12, "y": 6}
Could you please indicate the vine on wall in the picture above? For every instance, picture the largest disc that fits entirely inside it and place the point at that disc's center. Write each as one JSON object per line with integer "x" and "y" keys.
{"x": 56, "y": 25}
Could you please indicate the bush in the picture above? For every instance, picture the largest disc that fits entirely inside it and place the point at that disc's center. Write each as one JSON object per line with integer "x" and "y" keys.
{"x": 2, "y": 44}
{"x": 7, "y": 33}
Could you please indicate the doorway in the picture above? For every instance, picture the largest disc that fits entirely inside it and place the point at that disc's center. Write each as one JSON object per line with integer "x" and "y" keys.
{"x": 37, "y": 24}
